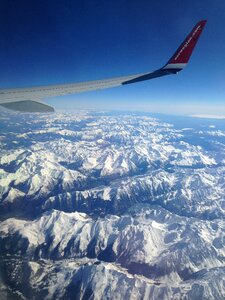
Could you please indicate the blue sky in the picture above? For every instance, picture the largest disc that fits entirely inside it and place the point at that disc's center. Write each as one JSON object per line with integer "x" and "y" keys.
{"x": 44, "y": 42}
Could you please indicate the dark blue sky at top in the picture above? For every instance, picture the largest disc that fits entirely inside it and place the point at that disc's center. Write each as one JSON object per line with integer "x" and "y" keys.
{"x": 50, "y": 41}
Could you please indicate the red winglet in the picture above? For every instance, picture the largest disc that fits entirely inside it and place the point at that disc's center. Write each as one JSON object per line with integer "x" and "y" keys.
{"x": 183, "y": 53}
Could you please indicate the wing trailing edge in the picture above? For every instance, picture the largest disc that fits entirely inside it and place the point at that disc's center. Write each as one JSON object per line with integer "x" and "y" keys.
{"x": 28, "y": 99}
{"x": 28, "y": 106}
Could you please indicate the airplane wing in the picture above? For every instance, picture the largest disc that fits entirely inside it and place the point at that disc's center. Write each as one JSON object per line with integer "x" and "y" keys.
{"x": 29, "y": 99}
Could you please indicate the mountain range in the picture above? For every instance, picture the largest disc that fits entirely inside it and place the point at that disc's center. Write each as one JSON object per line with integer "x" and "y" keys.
{"x": 103, "y": 205}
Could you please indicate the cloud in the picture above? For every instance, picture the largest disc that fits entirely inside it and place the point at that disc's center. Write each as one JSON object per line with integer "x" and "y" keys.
{"x": 208, "y": 117}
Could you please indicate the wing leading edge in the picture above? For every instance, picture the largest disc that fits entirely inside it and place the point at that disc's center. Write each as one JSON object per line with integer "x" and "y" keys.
{"x": 28, "y": 99}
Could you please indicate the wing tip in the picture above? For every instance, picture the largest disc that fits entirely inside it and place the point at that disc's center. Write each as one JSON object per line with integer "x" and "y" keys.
{"x": 203, "y": 21}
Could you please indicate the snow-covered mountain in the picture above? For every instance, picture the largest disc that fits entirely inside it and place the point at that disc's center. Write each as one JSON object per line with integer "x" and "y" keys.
{"x": 108, "y": 206}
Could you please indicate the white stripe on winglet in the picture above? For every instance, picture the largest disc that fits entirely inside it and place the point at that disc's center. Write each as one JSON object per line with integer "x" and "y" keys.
{"x": 175, "y": 66}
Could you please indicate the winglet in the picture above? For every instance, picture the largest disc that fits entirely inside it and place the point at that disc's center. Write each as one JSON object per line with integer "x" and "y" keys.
{"x": 181, "y": 57}
{"x": 179, "y": 60}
